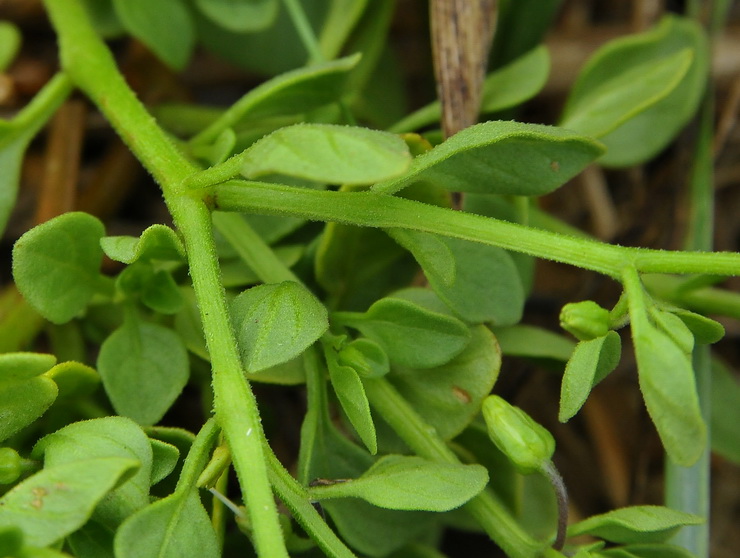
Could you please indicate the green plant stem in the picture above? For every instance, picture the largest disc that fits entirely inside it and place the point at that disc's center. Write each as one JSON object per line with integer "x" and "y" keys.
{"x": 91, "y": 66}
{"x": 485, "y": 508}
{"x": 197, "y": 456}
{"x": 33, "y": 116}
{"x": 378, "y": 210}
{"x": 304, "y": 29}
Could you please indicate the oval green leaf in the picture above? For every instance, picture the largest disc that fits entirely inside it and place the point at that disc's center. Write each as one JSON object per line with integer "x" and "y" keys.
{"x": 157, "y": 242}
{"x": 411, "y": 483}
{"x": 240, "y": 15}
{"x": 22, "y": 366}
{"x": 57, "y": 501}
{"x": 501, "y": 158}
{"x": 276, "y": 323}
{"x": 144, "y": 367}
{"x": 24, "y": 401}
{"x": 56, "y": 265}
{"x": 636, "y": 524}
{"x": 165, "y": 26}
{"x": 74, "y": 379}
{"x": 590, "y": 363}
{"x": 328, "y": 154}
{"x": 409, "y": 334}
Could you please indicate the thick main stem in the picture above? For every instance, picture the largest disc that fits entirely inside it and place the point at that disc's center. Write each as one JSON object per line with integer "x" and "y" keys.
{"x": 91, "y": 66}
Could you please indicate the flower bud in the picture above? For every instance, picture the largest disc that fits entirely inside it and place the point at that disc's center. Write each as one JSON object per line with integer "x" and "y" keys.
{"x": 527, "y": 444}
{"x": 10, "y": 465}
{"x": 586, "y": 320}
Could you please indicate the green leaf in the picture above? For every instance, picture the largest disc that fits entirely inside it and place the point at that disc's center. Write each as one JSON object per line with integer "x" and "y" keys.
{"x": 56, "y": 265}
{"x": 23, "y": 401}
{"x": 705, "y": 330}
{"x": 92, "y": 540}
{"x": 240, "y": 15}
{"x": 449, "y": 396}
{"x": 725, "y": 409}
{"x": 275, "y": 323}
{"x": 328, "y": 154}
{"x": 161, "y": 293}
{"x": 174, "y": 527}
{"x": 22, "y": 366}
{"x": 144, "y": 367}
{"x": 74, "y": 379}
{"x": 590, "y": 363}
{"x": 485, "y": 284}
{"x": 507, "y": 87}
{"x": 59, "y": 500}
{"x": 501, "y": 158}
{"x": 10, "y": 43}
{"x": 636, "y": 88}
{"x": 636, "y": 524}
{"x": 411, "y": 483}
{"x": 157, "y": 242}
{"x": 646, "y": 551}
{"x": 669, "y": 389}
{"x": 164, "y": 459}
{"x": 106, "y": 437}
{"x": 409, "y": 334}
{"x": 642, "y": 136}
{"x": 165, "y": 26}
{"x": 533, "y": 342}
{"x": 366, "y": 357}
{"x": 351, "y": 394}
{"x": 11, "y": 540}
{"x": 673, "y": 327}
{"x": 431, "y": 251}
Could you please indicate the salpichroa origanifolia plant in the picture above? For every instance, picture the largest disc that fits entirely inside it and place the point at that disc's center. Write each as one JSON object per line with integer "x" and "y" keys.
{"x": 248, "y": 288}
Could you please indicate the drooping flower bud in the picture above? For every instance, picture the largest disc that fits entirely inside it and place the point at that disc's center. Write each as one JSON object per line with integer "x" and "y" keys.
{"x": 527, "y": 444}
{"x": 586, "y": 320}
{"x": 10, "y": 465}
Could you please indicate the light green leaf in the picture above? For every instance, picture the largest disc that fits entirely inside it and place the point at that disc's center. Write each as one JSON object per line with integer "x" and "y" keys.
{"x": 625, "y": 95}
{"x": 366, "y": 357}
{"x": 705, "y": 330}
{"x": 646, "y": 551}
{"x": 501, "y": 158}
{"x": 506, "y": 87}
{"x": 22, "y": 366}
{"x": 165, "y": 26}
{"x": 411, "y": 483}
{"x": 144, "y": 367}
{"x": 10, "y": 43}
{"x": 409, "y": 334}
{"x": 174, "y": 527}
{"x": 636, "y": 524}
{"x": 74, "y": 379}
{"x": 533, "y": 342}
{"x": 275, "y": 323}
{"x": 590, "y": 363}
{"x": 449, "y": 396}
{"x": 23, "y": 401}
{"x": 669, "y": 389}
{"x": 164, "y": 459}
{"x": 106, "y": 437}
{"x": 328, "y": 154}
{"x": 240, "y": 15}
{"x": 430, "y": 250}
{"x": 59, "y": 500}
{"x": 351, "y": 394}
{"x": 674, "y": 327}
{"x": 725, "y": 411}
{"x": 157, "y": 242}
{"x": 643, "y": 135}
{"x": 56, "y": 265}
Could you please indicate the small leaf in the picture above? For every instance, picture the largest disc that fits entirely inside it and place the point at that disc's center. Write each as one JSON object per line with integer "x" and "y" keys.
{"x": 669, "y": 389}
{"x": 705, "y": 330}
{"x": 636, "y": 524}
{"x": 144, "y": 367}
{"x": 74, "y": 379}
{"x": 165, "y": 26}
{"x": 449, "y": 396}
{"x": 409, "y": 334}
{"x": 533, "y": 342}
{"x": 411, "y": 483}
{"x": 56, "y": 265}
{"x": 106, "y": 437}
{"x": 328, "y": 154}
{"x": 240, "y": 15}
{"x": 174, "y": 527}
{"x": 164, "y": 459}
{"x": 22, "y": 366}
{"x": 430, "y": 250}
{"x": 162, "y": 294}
{"x": 10, "y": 43}
{"x": 673, "y": 327}
{"x": 275, "y": 323}
{"x": 24, "y": 401}
{"x": 59, "y": 500}
{"x": 590, "y": 363}
{"x": 351, "y": 394}
{"x": 366, "y": 357}
{"x": 646, "y": 551}
{"x": 501, "y": 158}
{"x": 157, "y": 242}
